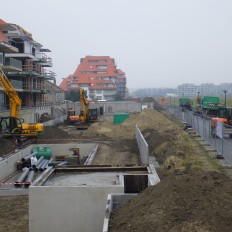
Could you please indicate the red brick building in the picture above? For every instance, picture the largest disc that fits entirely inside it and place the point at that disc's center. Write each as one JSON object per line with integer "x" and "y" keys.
{"x": 99, "y": 76}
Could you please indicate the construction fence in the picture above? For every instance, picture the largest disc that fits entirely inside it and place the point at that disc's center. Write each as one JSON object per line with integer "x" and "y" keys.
{"x": 219, "y": 136}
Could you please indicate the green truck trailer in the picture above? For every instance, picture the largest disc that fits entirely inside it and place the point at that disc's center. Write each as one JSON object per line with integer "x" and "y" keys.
{"x": 211, "y": 106}
{"x": 185, "y": 104}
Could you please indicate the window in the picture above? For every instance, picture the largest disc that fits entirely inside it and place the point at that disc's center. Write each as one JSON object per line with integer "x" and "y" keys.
{"x": 75, "y": 79}
{"x": 106, "y": 78}
{"x": 98, "y": 78}
{"x": 102, "y": 67}
{"x": 98, "y": 84}
{"x": 93, "y": 61}
{"x": 74, "y": 85}
{"x": 102, "y": 72}
{"x": 98, "y": 91}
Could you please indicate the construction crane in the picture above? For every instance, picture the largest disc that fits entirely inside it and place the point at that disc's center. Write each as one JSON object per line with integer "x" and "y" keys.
{"x": 13, "y": 125}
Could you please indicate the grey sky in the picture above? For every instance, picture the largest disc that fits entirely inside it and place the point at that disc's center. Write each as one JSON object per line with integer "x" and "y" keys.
{"x": 157, "y": 43}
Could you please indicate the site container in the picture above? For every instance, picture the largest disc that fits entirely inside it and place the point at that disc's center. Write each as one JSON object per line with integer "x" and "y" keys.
{"x": 120, "y": 118}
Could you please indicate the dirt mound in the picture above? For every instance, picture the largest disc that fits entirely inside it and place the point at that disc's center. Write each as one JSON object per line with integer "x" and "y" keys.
{"x": 45, "y": 117}
{"x": 53, "y": 132}
{"x": 147, "y": 119}
{"x": 188, "y": 202}
{"x": 7, "y": 146}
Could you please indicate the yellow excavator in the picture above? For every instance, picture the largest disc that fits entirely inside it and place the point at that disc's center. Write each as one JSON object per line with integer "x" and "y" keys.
{"x": 84, "y": 114}
{"x": 13, "y": 125}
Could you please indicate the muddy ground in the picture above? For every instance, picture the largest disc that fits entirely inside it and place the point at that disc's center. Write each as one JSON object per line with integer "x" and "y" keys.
{"x": 185, "y": 201}
{"x": 193, "y": 194}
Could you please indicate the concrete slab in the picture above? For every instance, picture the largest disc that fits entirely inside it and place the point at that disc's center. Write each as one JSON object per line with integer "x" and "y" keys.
{"x": 83, "y": 179}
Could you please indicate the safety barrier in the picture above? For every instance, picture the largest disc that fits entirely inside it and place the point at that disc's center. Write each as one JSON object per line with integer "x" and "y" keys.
{"x": 219, "y": 136}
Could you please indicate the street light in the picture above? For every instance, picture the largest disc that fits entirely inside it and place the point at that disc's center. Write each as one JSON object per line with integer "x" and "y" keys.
{"x": 225, "y": 91}
{"x": 198, "y": 99}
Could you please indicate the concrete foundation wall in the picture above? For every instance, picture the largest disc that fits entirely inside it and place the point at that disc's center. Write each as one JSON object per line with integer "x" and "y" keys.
{"x": 55, "y": 121}
{"x": 63, "y": 149}
{"x": 114, "y": 201}
{"x": 31, "y": 115}
{"x": 110, "y": 108}
{"x": 143, "y": 146}
{"x": 71, "y": 209}
{"x": 8, "y": 165}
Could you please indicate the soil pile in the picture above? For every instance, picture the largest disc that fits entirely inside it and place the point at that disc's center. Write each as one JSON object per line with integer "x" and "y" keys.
{"x": 7, "y": 146}
{"x": 45, "y": 117}
{"x": 147, "y": 119}
{"x": 188, "y": 202}
{"x": 53, "y": 132}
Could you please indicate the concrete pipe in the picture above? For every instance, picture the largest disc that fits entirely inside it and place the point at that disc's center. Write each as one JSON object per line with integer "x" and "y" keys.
{"x": 40, "y": 160}
{"x": 63, "y": 163}
{"x": 29, "y": 179}
{"x": 21, "y": 178}
{"x": 50, "y": 161}
{"x": 24, "y": 159}
{"x": 44, "y": 166}
{"x": 39, "y": 165}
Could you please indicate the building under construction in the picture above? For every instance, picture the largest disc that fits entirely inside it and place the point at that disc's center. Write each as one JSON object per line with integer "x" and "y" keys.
{"x": 24, "y": 61}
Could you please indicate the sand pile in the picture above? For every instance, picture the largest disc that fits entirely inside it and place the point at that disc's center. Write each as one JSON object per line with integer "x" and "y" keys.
{"x": 188, "y": 202}
{"x": 147, "y": 119}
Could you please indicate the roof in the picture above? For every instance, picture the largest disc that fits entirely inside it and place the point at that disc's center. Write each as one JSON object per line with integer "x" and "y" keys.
{"x": 2, "y": 22}
{"x": 3, "y": 37}
{"x": 93, "y": 71}
{"x": 63, "y": 84}
{"x": 148, "y": 99}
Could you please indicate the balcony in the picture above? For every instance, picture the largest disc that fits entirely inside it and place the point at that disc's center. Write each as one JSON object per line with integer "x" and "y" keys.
{"x": 12, "y": 64}
{"x": 43, "y": 59}
{"x": 33, "y": 71}
{"x": 21, "y": 55}
{"x": 5, "y": 47}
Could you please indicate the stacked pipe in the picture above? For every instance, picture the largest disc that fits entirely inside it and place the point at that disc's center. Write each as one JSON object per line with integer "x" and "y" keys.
{"x": 38, "y": 164}
{"x": 50, "y": 161}
{"x": 21, "y": 178}
{"x": 38, "y": 167}
{"x": 26, "y": 158}
{"x": 44, "y": 165}
{"x": 29, "y": 179}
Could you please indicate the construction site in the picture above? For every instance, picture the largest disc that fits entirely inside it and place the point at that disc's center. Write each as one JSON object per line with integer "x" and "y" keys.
{"x": 116, "y": 183}
{"x": 104, "y": 162}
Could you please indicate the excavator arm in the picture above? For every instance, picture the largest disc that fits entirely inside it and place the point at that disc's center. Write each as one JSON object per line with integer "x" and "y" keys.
{"x": 14, "y": 125}
{"x": 84, "y": 114}
{"x": 14, "y": 100}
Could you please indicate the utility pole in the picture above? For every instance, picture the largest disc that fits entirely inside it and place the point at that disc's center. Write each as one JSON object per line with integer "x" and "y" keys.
{"x": 225, "y": 91}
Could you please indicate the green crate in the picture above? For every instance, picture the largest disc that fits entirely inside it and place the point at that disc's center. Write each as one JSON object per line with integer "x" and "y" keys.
{"x": 120, "y": 118}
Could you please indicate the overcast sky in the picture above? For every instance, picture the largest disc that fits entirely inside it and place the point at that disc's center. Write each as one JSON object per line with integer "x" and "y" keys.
{"x": 157, "y": 43}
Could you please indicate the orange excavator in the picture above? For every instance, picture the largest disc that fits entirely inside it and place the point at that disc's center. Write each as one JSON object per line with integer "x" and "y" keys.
{"x": 13, "y": 125}
{"x": 72, "y": 117}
